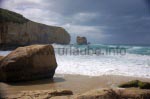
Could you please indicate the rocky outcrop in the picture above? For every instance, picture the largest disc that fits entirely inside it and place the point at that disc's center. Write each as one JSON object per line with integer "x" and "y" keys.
{"x": 40, "y": 94}
{"x": 94, "y": 94}
{"x": 28, "y": 63}
{"x": 15, "y": 30}
{"x": 81, "y": 40}
{"x": 1, "y": 57}
{"x": 136, "y": 84}
{"x": 115, "y": 94}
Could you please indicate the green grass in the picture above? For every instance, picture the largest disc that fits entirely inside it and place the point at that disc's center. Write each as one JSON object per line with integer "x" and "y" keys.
{"x": 137, "y": 84}
{"x": 9, "y": 16}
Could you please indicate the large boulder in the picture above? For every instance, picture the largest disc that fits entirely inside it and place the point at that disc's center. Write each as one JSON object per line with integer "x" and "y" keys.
{"x": 28, "y": 63}
{"x": 81, "y": 40}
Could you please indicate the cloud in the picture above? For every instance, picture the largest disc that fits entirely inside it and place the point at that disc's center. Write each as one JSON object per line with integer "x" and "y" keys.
{"x": 95, "y": 32}
{"x": 84, "y": 17}
{"x": 102, "y": 21}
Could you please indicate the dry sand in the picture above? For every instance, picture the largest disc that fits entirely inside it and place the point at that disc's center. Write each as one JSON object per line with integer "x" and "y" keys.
{"x": 77, "y": 83}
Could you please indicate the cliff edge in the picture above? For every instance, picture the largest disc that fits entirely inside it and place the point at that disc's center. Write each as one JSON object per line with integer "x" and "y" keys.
{"x": 16, "y": 30}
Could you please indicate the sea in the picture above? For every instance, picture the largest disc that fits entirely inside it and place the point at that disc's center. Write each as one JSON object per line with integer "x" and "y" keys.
{"x": 100, "y": 59}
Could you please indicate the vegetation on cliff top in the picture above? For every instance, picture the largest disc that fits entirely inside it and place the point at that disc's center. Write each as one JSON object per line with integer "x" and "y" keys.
{"x": 9, "y": 16}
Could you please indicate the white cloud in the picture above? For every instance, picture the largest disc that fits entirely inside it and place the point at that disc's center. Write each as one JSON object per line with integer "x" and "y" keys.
{"x": 93, "y": 33}
{"x": 85, "y": 16}
{"x": 75, "y": 17}
{"x": 79, "y": 29}
{"x": 42, "y": 12}
{"x": 35, "y": 10}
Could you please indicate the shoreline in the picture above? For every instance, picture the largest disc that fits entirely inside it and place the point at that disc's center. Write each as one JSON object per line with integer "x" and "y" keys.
{"x": 78, "y": 84}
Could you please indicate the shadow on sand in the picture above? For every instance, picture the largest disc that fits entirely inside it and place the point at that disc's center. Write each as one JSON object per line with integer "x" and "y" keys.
{"x": 37, "y": 82}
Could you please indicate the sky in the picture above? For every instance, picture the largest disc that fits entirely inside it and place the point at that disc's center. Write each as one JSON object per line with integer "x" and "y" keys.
{"x": 101, "y": 21}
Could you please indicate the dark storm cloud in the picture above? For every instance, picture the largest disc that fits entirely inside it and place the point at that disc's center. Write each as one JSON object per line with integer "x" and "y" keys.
{"x": 148, "y": 3}
{"x": 0, "y": 3}
{"x": 102, "y": 21}
{"x": 127, "y": 21}
{"x": 118, "y": 7}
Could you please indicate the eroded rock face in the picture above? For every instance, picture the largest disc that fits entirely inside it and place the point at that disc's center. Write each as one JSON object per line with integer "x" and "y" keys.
{"x": 81, "y": 40}
{"x": 31, "y": 33}
{"x": 28, "y": 63}
{"x": 14, "y": 32}
{"x": 1, "y": 57}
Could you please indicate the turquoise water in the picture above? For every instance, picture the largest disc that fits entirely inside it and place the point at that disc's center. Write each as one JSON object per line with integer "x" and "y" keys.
{"x": 139, "y": 50}
{"x": 133, "y": 61}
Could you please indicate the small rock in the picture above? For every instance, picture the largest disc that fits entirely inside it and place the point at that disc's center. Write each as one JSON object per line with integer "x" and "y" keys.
{"x": 81, "y": 40}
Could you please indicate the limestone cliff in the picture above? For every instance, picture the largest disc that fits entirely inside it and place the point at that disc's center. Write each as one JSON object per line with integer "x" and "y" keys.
{"x": 17, "y": 30}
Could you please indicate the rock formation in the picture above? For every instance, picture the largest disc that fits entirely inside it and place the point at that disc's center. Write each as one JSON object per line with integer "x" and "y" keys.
{"x": 15, "y": 30}
{"x": 81, "y": 40}
{"x": 40, "y": 94}
{"x": 93, "y": 94}
{"x": 28, "y": 63}
{"x": 136, "y": 84}
{"x": 115, "y": 94}
{"x": 1, "y": 57}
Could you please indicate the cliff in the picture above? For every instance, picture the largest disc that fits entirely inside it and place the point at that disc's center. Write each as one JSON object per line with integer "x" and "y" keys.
{"x": 17, "y": 30}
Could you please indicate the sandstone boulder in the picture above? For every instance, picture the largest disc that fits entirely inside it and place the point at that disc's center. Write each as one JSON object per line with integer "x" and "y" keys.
{"x": 81, "y": 40}
{"x": 28, "y": 63}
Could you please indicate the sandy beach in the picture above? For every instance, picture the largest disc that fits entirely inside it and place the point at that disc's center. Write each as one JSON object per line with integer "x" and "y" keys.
{"x": 74, "y": 49}
{"x": 76, "y": 83}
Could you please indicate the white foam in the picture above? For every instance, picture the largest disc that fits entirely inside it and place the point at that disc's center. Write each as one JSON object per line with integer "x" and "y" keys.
{"x": 105, "y": 65}
{"x": 127, "y": 65}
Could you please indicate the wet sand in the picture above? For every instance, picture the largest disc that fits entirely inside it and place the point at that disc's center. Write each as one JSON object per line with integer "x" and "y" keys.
{"x": 77, "y": 83}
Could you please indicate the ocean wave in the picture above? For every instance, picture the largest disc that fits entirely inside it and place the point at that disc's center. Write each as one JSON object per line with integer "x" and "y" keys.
{"x": 130, "y": 64}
